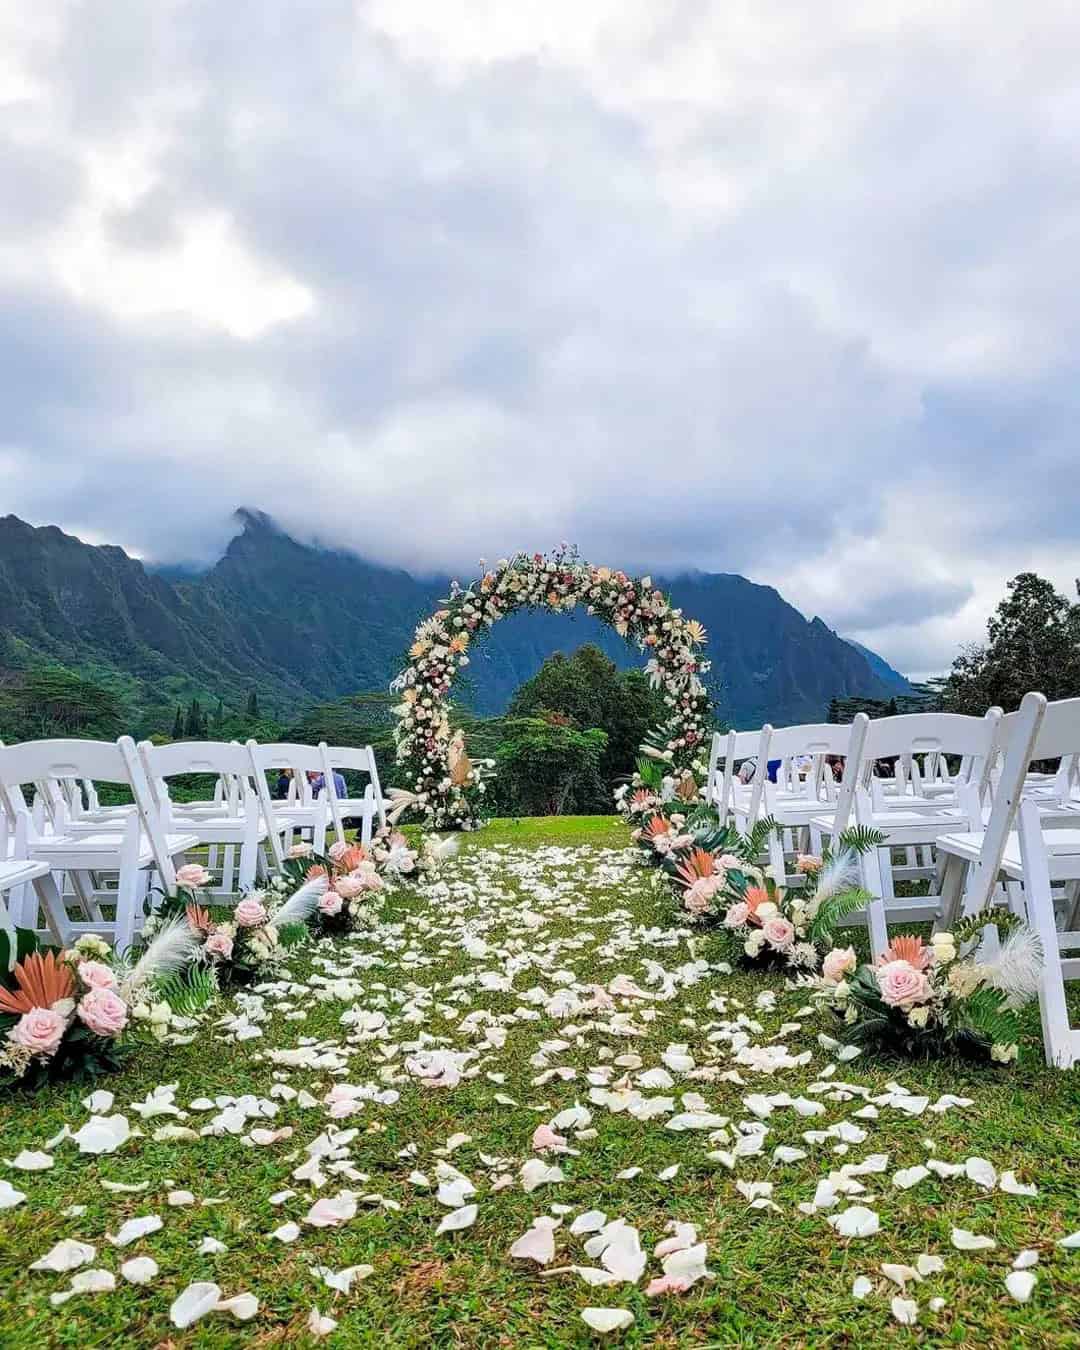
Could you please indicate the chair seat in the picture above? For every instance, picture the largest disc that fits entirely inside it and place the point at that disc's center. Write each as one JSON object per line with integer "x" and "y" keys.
{"x": 102, "y": 850}
{"x": 14, "y": 871}
{"x": 222, "y": 829}
{"x": 1062, "y": 848}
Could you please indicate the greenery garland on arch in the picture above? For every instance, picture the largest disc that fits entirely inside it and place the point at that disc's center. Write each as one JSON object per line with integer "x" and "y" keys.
{"x": 443, "y": 785}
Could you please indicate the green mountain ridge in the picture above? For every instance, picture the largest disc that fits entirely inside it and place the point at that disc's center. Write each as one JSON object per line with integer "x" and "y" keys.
{"x": 300, "y": 624}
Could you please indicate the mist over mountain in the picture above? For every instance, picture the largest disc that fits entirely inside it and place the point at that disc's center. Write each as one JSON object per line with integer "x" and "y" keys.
{"x": 301, "y": 623}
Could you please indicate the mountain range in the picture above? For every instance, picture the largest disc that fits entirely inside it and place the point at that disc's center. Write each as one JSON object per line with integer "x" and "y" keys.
{"x": 300, "y": 623}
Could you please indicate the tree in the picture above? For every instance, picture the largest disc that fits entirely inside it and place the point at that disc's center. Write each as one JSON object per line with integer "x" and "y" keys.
{"x": 219, "y": 716}
{"x": 178, "y": 724}
{"x": 252, "y": 708}
{"x": 546, "y": 768}
{"x": 195, "y": 723}
{"x": 1033, "y": 642}
{"x": 53, "y": 701}
{"x": 591, "y": 691}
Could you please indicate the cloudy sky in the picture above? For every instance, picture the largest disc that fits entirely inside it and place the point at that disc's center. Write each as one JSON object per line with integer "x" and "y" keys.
{"x": 744, "y": 285}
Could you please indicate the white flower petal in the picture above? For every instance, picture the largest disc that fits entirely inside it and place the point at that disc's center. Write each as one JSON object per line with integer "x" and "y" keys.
{"x": 195, "y": 1302}
{"x": 905, "y": 1310}
{"x": 965, "y": 1241}
{"x": 139, "y": 1270}
{"x": 1021, "y": 1284}
{"x": 68, "y": 1254}
{"x": 606, "y": 1320}
{"x": 458, "y": 1219}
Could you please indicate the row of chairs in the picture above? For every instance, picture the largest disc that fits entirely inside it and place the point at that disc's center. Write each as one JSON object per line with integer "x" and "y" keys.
{"x": 961, "y": 806}
{"x": 61, "y": 848}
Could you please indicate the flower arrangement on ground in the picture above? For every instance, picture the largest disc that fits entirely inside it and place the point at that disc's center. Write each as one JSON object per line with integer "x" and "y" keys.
{"x": 716, "y": 875}
{"x": 251, "y": 941}
{"x": 444, "y": 785}
{"x": 357, "y": 875}
{"x": 73, "y": 1014}
{"x": 923, "y": 999}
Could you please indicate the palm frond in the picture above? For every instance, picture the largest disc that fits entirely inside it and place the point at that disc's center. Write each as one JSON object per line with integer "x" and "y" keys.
{"x": 970, "y": 928}
{"x": 986, "y": 1019}
{"x": 191, "y": 992}
{"x": 859, "y": 839}
{"x": 834, "y": 908}
{"x": 755, "y": 841}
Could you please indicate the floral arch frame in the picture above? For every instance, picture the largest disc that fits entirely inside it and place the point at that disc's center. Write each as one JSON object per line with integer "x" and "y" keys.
{"x": 443, "y": 785}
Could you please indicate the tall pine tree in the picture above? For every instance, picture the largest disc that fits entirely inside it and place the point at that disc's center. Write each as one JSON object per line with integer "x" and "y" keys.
{"x": 252, "y": 709}
{"x": 178, "y": 724}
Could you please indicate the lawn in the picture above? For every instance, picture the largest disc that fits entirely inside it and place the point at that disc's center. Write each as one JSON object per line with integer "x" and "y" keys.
{"x": 545, "y": 905}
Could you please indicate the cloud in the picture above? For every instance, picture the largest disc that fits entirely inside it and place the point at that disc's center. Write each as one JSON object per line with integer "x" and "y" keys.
{"x": 738, "y": 287}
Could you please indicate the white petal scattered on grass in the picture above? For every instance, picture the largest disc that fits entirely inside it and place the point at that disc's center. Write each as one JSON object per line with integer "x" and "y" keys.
{"x": 929, "y": 1265}
{"x": 458, "y": 1219}
{"x": 1021, "y": 1284}
{"x": 910, "y": 1176}
{"x": 194, "y": 1303}
{"x": 332, "y": 1211}
{"x": 905, "y": 1310}
{"x": 856, "y": 1221}
{"x": 965, "y": 1241}
{"x": 606, "y": 1320}
{"x": 1070, "y": 1243}
{"x": 1009, "y": 1184}
{"x": 242, "y": 1306}
{"x": 139, "y": 1270}
{"x": 86, "y": 1282}
{"x": 318, "y": 1325}
{"x": 899, "y": 1274}
{"x": 177, "y": 1199}
{"x": 1026, "y": 1259}
{"x": 535, "y": 1173}
{"x": 288, "y": 1232}
{"x": 861, "y": 1286}
{"x": 102, "y": 1134}
{"x": 31, "y": 1161}
{"x": 341, "y": 1281}
{"x": 589, "y": 1222}
{"x": 68, "y": 1254}
{"x": 134, "y": 1229}
{"x": 9, "y": 1196}
{"x": 538, "y": 1244}
{"x": 211, "y": 1246}
{"x": 99, "y": 1102}
{"x": 982, "y": 1172}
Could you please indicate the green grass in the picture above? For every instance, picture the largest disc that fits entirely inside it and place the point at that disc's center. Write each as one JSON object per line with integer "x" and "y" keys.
{"x": 781, "y": 1279}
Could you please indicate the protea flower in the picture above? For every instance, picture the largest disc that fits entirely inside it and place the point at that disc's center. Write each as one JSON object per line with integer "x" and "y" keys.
{"x": 699, "y": 863}
{"x": 40, "y": 982}
{"x": 199, "y": 919}
{"x": 695, "y": 631}
{"x": 907, "y": 947}
{"x": 755, "y": 897}
{"x": 654, "y": 826}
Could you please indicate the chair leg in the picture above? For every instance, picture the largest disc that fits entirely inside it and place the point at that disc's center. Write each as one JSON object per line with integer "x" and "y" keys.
{"x": 52, "y": 903}
{"x": 1058, "y": 1041}
{"x": 950, "y": 887}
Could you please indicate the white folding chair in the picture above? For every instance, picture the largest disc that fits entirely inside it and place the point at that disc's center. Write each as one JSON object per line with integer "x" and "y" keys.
{"x": 906, "y": 821}
{"x": 302, "y": 812}
{"x": 805, "y": 784}
{"x": 134, "y": 853}
{"x": 240, "y": 824}
{"x": 354, "y": 759}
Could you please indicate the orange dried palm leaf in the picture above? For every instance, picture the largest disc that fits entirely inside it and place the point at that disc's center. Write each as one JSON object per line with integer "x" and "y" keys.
{"x": 700, "y": 863}
{"x": 41, "y": 981}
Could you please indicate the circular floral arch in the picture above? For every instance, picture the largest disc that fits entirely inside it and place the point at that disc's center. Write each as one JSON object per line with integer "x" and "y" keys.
{"x": 443, "y": 784}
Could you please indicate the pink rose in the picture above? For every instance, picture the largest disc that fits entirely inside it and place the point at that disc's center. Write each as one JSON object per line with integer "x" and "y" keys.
{"x": 729, "y": 861}
{"x": 779, "y": 932}
{"x": 737, "y": 915}
{"x": 192, "y": 875}
{"x": 250, "y": 913}
{"x": 97, "y": 975}
{"x": 808, "y": 864}
{"x": 337, "y": 850}
{"x": 104, "y": 1012}
{"x": 838, "y": 963}
{"x": 347, "y": 888}
{"x": 694, "y": 900}
{"x": 220, "y": 945}
{"x": 901, "y": 985}
{"x": 331, "y": 903}
{"x": 40, "y": 1030}
{"x": 300, "y": 850}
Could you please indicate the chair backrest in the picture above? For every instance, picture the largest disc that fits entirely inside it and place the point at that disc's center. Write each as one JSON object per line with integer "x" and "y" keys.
{"x": 104, "y": 761}
{"x": 1037, "y": 730}
{"x": 353, "y": 759}
{"x": 813, "y": 741}
{"x": 301, "y": 759}
{"x": 227, "y": 761}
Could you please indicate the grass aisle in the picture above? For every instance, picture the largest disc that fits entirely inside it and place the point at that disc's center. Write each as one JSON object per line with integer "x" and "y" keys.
{"x": 526, "y": 910}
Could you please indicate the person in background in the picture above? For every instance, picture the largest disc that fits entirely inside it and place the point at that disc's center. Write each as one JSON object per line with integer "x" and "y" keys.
{"x": 318, "y": 782}
{"x": 284, "y": 782}
{"x": 747, "y": 769}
